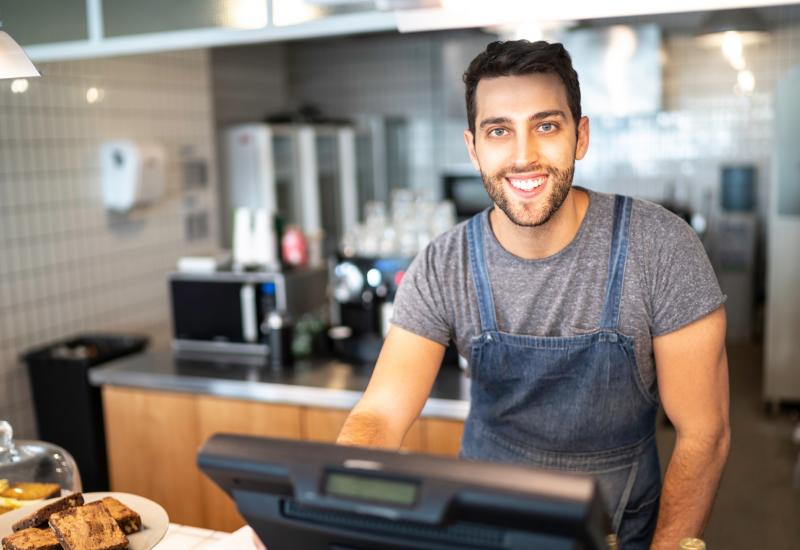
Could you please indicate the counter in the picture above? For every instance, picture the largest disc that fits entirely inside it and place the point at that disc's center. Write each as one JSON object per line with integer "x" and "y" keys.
{"x": 319, "y": 382}
{"x": 159, "y": 408}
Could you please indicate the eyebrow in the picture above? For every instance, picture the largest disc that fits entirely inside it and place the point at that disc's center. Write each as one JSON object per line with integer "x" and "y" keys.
{"x": 534, "y": 117}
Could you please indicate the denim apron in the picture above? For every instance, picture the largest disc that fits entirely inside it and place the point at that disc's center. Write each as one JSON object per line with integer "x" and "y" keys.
{"x": 575, "y": 404}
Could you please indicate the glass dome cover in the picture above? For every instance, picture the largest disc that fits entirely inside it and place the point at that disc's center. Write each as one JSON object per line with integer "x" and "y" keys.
{"x": 35, "y": 462}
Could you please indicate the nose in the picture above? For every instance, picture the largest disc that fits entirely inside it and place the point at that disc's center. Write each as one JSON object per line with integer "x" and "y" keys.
{"x": 527, "y": 150}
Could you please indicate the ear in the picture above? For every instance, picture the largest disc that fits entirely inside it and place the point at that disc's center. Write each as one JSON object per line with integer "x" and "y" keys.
{"x": 583, "y": 138}
{"x": 469, "y": 141}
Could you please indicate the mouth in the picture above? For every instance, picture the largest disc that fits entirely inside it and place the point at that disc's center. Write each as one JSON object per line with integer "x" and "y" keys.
{"x": 527, "y": 185}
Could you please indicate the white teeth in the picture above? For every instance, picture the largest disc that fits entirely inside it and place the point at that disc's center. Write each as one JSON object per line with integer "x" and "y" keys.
{"x": 527, "y": 185}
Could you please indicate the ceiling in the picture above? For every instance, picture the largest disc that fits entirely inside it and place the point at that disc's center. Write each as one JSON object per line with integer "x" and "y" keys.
{"x": 687, "y": 23}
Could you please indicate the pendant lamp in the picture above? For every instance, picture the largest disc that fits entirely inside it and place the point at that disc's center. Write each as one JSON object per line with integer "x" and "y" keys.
{"x": 747, "y": 23}
{"x": 14, "y": 63}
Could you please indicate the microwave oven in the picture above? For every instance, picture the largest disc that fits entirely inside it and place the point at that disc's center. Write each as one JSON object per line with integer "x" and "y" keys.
{"x": 233, "y": 311}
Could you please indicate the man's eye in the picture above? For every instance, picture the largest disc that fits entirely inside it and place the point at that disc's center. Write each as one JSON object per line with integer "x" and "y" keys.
{"x": 548, "y": 127}
{"x": 497, "y": 132}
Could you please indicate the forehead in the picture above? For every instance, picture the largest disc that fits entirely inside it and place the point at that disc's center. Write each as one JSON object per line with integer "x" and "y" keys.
{"x": 520, "y": 95}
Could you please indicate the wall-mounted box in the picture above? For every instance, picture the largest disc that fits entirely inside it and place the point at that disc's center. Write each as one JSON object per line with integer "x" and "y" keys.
{"x": 132, "y": 174}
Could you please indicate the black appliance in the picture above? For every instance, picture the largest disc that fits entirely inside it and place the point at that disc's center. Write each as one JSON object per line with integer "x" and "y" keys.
{"x": 319, "y": 496}
{"x": 738, "y": 188}
{"x": 69, "y": 411}
{"x": 363, "y": 292}
{"x": 248, "y": 312}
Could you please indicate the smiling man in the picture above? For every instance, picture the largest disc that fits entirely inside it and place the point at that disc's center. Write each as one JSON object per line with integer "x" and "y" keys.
{"x": 579, "y": 313}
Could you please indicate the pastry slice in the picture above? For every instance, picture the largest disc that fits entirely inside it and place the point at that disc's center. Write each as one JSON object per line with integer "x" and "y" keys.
{"x": 32, "y": 491}
{"x": 31, "y": 539}
{"x": 128, "y": 520}
{"x": 39, "y": 517}
{"x": 87, "y": 528}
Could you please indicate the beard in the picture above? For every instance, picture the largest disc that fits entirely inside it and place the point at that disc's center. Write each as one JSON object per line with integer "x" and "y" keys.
{"x": 525, "y": 215}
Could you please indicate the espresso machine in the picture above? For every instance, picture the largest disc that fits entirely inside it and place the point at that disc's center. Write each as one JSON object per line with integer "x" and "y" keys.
{"x": 363, "y": 291}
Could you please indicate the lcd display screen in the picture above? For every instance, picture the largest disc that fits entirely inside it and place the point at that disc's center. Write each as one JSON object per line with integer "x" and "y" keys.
{"x": 371, "y": 489}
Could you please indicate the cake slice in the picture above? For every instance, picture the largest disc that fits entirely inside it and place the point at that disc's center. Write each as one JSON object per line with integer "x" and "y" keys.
{"x": 31, "y": 539}
{"x": 39, "y": 517}
{"x": 32, "y": 491}
{"x": 87, "y": 528}
{"x": 128, "y": 520}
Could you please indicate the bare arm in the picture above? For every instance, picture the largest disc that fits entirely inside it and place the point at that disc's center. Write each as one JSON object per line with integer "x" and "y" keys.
{"x": 397, "y": 391}
{"x": 692, "y": 370}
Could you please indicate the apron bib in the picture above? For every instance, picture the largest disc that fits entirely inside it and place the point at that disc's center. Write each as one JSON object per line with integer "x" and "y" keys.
{"x": 574, "y": 404}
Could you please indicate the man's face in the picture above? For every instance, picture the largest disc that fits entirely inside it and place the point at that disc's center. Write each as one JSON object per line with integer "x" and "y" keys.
{"x": 525, "y": 144}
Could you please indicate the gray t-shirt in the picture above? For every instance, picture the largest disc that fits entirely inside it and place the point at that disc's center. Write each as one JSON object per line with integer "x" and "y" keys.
{"x": 668, "y": 283}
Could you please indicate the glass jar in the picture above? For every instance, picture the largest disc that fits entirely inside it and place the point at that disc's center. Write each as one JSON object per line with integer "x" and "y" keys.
{"x": 34, "y": 462}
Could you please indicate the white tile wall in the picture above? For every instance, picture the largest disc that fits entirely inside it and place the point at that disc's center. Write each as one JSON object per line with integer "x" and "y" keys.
{"x": 66, "y": 265}
{"x": 387, "y": 74}
{"x": 703, "y": 123}
{"x": 249, "y": 82}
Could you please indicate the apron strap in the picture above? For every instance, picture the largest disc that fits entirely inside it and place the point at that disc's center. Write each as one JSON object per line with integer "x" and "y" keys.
{"x": 480, "y": 274}
{"x": 616, "y": 262}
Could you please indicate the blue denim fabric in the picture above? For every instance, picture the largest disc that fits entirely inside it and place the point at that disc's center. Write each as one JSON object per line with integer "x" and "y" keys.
{"x": 575, "y": 404}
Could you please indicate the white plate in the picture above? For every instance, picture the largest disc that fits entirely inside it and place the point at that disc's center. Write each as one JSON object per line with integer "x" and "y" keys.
{"x": 154, "y": 518}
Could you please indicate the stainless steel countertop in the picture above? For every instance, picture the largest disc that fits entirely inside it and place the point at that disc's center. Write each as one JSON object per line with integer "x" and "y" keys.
{"x": 317, "y": 382}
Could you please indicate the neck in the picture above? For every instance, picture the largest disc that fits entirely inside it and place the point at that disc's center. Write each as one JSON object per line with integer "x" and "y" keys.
{"x": 534, "y": 243}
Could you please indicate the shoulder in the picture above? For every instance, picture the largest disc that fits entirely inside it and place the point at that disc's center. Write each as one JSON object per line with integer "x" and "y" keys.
{"x": 655, "y": 221}
{"x": 656, "y": 235}
{"x": 647, "y": 218}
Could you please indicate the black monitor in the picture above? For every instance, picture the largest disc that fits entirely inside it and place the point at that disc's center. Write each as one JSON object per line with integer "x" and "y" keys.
{"x": 300, "y": 495}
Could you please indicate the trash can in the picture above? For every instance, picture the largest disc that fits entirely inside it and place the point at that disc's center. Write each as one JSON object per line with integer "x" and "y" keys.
{"x": 69, "y": 411}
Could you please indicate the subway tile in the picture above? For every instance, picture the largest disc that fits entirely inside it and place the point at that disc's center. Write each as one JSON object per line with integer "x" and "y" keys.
{"x": 61, "y": 263}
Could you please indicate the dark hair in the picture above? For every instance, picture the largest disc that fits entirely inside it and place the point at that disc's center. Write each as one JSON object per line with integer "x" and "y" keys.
{"x": 521, "y": 57}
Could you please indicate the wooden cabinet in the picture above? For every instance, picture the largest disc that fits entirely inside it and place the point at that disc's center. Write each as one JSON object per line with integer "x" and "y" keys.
{"x": 245, "y": 418}
{"x": 323, "y": 424}
{"x": 443, "y": 437}
{"x": 153, "y": 438}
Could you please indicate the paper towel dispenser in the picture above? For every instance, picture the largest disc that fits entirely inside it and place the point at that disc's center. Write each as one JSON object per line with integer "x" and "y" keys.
{"x": 132, "y": 173}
